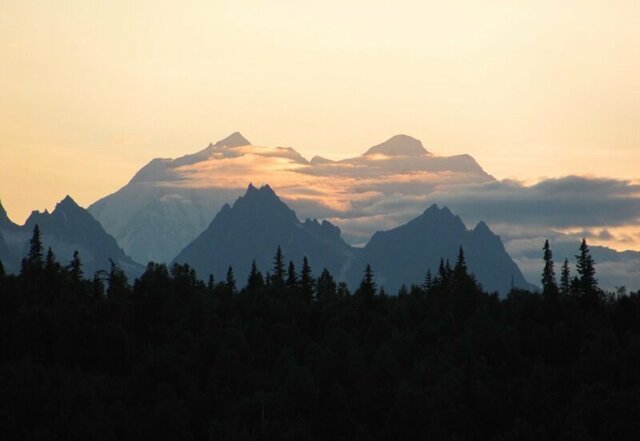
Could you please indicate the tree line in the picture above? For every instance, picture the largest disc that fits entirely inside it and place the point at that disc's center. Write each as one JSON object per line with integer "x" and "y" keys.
{"x": 294, "y": 355}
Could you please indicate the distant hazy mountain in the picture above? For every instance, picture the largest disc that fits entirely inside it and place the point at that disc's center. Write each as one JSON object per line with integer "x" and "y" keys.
{"x": 5, "y": 255}
{"x": 253, "y": 228}
{"x": 169, "y": 202}
{"x": 613, "y": 268}
{"x": 259, "y": 221}
{"x": 66, "y": 229}
{"x": 403, "y": 255}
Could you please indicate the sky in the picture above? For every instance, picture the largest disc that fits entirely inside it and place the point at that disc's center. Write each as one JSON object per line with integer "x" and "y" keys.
{"x": 91, "y": 91}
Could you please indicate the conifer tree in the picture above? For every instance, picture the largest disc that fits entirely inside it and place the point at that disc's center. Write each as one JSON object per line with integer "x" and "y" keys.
{"x": 549, "y": 285}
{"x": 460, "y": 270}
{"x": 75, "y": 267}
{"x": 211, "y": 283}
{"x": 565, "y": 278}
{"x": 51, "y": 266}
{"x": 34, "y": 258}
{"x": 367, "y": 289}
{"x": 306, "y": 280}
{"x": 326, "y": 286}
{"x": 97, "y": 284}
{"x": 2, "y": 271}
{"x": 586, "y": 270}
{"x": 442, "y": 272}
{"x": 277, "y": 278}
{"x": 255, "y": 280}
{"x": 428, "y": 282}
{"x": 292, "y": 277}
{"x": 231, "y": 280}
{"x": 117, "y": 280}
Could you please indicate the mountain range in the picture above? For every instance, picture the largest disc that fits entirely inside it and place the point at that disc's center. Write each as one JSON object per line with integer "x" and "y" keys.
{"x": 260, "y": 221}
{"x": 169, "y": 202}
{"x": 66, "y": 229}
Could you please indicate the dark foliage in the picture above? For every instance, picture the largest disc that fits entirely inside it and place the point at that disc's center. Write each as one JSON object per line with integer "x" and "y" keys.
{"x": 170, "y": 357}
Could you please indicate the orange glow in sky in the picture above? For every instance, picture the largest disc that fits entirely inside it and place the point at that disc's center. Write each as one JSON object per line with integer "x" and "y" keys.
{"x": 91, "y": 91}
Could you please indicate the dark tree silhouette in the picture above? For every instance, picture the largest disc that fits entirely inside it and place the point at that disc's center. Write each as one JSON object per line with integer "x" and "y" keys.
{"x": 565, "y": 279}
{"x": 292, "y": 276}
{"x": 255, "y": 280}
{"x": 278, "y": 277}
{"x": 549, "y": 285}
{"x": 118, "y": 282}
{"x": 34, "y": 261}
{"x": 326, "y": 285}
{"x": 75, "y": 267}
{"x": 367, "y": 289}
{"x": 585, "y": 266}
{"x": 460, "y": 271}
{"x": 171, "y": 358}
{"x": 307, "y": 287}
{"x": 428, "y": 282}
{"x": 230, "y": 283}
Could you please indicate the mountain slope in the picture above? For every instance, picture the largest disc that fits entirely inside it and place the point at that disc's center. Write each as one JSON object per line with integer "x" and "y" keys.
{"x": 259, "y": 222}
{"x": 169, "y": 202}
{"x": 404, "y": 254}
{"x": 66, "y": 229}
{"x": 253, "y": 228}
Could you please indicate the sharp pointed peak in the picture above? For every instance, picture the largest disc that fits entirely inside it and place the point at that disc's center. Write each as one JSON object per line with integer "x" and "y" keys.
{"x": 4, "y": 218}
{"x": 482, "y": 227}
{"x": 432, "y": 209}
{"x": 233, "y": 140}
{"x": 68, "y": 200}
{"x": 399, "y": 145}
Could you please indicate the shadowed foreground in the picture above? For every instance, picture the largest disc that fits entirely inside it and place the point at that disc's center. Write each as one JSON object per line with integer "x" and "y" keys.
{"x": 295, "y": 357}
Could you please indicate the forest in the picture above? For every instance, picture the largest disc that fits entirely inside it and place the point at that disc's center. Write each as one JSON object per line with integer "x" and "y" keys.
{"x": 294, "y": 355}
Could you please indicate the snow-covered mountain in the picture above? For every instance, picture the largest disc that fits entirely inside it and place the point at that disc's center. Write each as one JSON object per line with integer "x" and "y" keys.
{"x": 169, "y": 202}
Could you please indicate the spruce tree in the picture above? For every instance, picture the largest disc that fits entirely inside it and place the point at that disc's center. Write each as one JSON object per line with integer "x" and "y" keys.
{"x": 34, "y": 258}
{"x": 231, "y": 280}
{"x": 428, "y": 282}
{"x": 367, "y": 289}
{"x": 565, "y": 278}
{"x": 51, "y": 266}
{"x": 306, "y": 279}
{"x": 460, "y": 272}
{"x": 277, "y": 279}
{"x": 255, "y": 280}
{"x": 117, "y": 281}
{"x": 292, "y": 277}
{"x": 549, "y": 285}
{"x": 586, "y": 270}
{"x": 75, "y": 267}
{"x": 326, "y": 286}
{"x": 443, "y": 276}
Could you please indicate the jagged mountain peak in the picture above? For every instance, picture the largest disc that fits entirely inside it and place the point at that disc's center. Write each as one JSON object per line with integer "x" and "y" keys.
{"x": 399, "y": 145}
{"x": 5, "y": 222}
{"x": 234, "y": 140}
{"x": 264, "y": 193}
{"x": 482, "y": 228}
{"x": 253, "y": 228}
{"x": 67, "y": 204}
{"x": 262, "y": 202}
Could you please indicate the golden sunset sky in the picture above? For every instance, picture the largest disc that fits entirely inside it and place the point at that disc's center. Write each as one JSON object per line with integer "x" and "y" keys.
{"x": 90, "y": 91}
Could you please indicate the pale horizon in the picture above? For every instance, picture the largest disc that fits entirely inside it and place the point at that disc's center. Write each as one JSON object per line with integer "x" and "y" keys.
{"x": 531, "y": 90}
